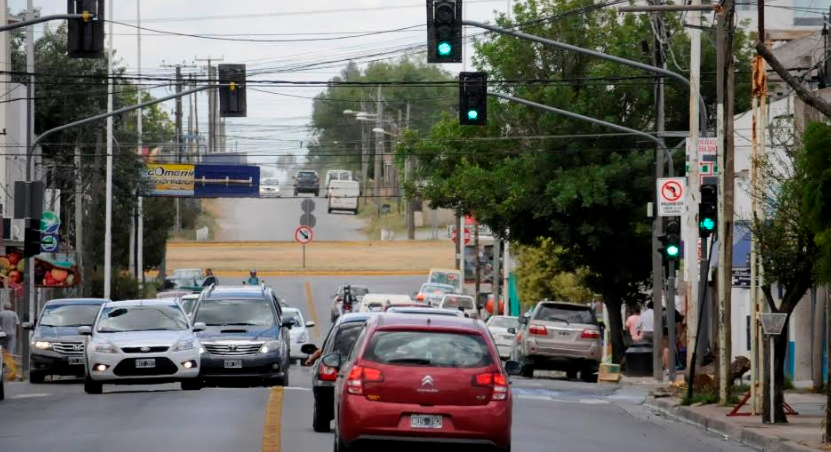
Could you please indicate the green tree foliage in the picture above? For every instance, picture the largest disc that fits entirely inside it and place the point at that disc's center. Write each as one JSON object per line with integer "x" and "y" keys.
{"x": 541, "y": 278}
{"x": 337, "y": 137}
{"x": 587, "y": 194}
{"x": 815, "y": 161}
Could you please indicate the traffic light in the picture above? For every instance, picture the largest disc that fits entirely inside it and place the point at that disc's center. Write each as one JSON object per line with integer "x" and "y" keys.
{"x": 671, "y": 251}
{"x": 708, "y": 210}
{"x": 31, "y": 238}
{"x": 444, "y": 31}
{"x": 86, "y": 36}
{"x": 473, "y": 98}
{"x": 232, "y": 91}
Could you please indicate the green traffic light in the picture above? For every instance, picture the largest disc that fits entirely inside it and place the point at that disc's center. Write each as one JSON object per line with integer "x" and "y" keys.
{"x": 445, "y": 48}
{"x": 672, "y": 251}
{"x": 472, "y": 114}
{"x": 708, "y": 224}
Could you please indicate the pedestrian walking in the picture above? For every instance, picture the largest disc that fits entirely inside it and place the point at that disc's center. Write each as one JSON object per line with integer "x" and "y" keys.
{"x": 633, "y": 325}
{"x": 8, "y": 324}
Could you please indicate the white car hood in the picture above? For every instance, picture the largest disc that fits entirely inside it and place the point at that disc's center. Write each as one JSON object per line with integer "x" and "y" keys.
{"x": 297, "y": 331}
{"x": 144, "y": 338}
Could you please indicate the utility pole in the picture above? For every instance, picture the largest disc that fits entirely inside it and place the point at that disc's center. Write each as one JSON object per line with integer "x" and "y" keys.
{"x": 657, "y": 221}
{"x": 108, "y": 213}
{"x": 690, "y": 232}
{"x": 725, "y": 112}
{"x": 140, "y": 145}
{"x": 379, "y": 147}
{"x": 30, "y": 293}
{"x": 409, "y": 162}
{"x": 497, "y": 256}
{"x": 79, "y": 216}
{"x": 212, "y": 104}
{"x": 178, "y": 201}
{"x": 477, "y": 261}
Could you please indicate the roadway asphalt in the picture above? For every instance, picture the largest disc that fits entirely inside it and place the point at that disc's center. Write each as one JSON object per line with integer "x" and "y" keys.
{"x": 549, "y": 414}
{"x": 276, "y": 219}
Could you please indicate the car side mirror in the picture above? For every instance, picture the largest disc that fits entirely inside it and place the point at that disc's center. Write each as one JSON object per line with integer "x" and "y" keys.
{"x": 308, "y": 349}
{"x": 332, "y": 360}
{"x": 310, "y": 324}
{"x": 523, "y": 320}
{"x": 288, "y": 324}
{"x": 514, "y": 367}
{"x": 511, "y": 330}
{"x": 199, "y": 326}
{"x": 85, "y": 331}
{"x": 28, "y": 325}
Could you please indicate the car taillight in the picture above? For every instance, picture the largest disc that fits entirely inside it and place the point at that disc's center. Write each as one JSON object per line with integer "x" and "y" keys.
{"x": 327, "y": 373}
{"x": 494, "y": 380}
{"x": 358, "y": 375}
{"x": 537, "y": 330}
{"x": 590, "y": 334}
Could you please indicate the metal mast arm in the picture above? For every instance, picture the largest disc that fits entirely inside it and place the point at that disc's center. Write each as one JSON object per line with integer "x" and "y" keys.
{"x": 26, "y": 23}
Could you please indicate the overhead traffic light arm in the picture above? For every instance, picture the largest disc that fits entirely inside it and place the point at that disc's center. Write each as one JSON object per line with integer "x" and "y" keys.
{"x": 39, "y": 20}
{"x": 596, "y": 54}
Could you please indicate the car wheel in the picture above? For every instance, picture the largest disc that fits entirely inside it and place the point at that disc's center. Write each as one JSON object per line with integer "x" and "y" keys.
{"x": 340, "y": 446}
{"x": 329, "y": 210}
{"x": 320, "y": 424}
{"x": 192, "y": 385}
{"x": 92, "y": 387}
{"x": 589, "y": 375}
{"x": 317, "y": 194}
{"x": 355, "y": 211}
{"x": 36, "y": 377}
{"x": 528, "y": 371}
{"x": 295, "y": 193}
{"x": 571, "y": 374}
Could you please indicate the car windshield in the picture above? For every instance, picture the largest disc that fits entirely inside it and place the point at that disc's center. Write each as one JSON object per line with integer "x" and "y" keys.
{"x": 306, "y": 175}
{"x": 428, "y": 348}
{"x": 435, "y": 288}
{"x": 116, "y": 319}
{"x": 560, "y": 313}
{"x": 357, "y": 291}
{"x": 504, "y": 322}
{"x": 445, "y": 278}
{"x": 293, "y": 316}
{"x": 179, "y": 281}
{"x": 270, "y": 182}
{"x": 244, "y": 312}
{"x": 69, "y": 315}
{"x": 458, "y": 302}
{"x": 346, "y": 336}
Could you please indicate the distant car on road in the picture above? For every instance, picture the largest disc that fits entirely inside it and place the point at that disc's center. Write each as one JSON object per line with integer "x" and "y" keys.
{"x": 462, "y": 303}
{"x": 247, "y": 339}
{"x": 560, "y": 336}
{"x": 385, "y": 300}
{"x": 57, "y": 348}
{"x": 449, "y": 276}
{"x": 299, "y": 331}
{"x": 337, "y": 302}
{"x": 187, "y": 273}
{"x": 343, "y": 195}
{"x": 340, "y": 339}
{"x": 270, "y": 188}
{"x": 499, "y": 326}
{"x": 141, "y": 342}
{"x": 433, "y": 293}
{"x": 416, "y": 378}
{"x": 424, "y": 310}
{"x": 307, "y": 182}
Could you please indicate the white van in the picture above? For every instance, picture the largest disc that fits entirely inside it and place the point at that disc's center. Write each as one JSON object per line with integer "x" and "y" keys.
{"x": 343, "y": 195}
{"x": 336, "y": 175}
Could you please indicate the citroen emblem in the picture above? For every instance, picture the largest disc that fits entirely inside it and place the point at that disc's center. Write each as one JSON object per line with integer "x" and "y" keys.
{"x": 145, "y": 349}
{"x": 427, "y": 381}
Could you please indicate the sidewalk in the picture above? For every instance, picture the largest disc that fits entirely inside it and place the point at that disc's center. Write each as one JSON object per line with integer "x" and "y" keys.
{"x": 802, "y": 433}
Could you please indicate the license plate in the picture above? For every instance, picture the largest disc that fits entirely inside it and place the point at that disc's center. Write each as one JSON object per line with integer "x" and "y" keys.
{"x": 425, "y": 421}
{"x": 145, "y": 363}
{"x": 564, "y": 333}
{"x": 76, "y": 361}
{"x": 233, "y": 364}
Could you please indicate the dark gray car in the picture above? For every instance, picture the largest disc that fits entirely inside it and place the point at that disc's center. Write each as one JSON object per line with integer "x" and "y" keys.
{"x": 307, "y": 182}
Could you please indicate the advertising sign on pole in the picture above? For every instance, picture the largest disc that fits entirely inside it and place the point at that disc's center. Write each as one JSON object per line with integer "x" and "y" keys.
{"x": 169, "y": 179}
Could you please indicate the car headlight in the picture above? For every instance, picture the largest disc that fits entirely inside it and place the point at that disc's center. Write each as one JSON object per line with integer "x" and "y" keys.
{"x": 183, "y": 346}
{"x": 43, "y": 345}
{"x": 105, "y": 347}
{"x": 302, "y": 338}
{"x": 271, "y": 346}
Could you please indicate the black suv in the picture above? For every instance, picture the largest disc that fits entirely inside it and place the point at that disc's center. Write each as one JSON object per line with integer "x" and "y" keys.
{"x": 307, "y": 182}
{"x": 246, "y": 341}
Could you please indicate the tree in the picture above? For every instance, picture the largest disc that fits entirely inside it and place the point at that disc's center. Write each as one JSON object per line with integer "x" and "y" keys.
{"x": 541, "y": 278}
{"x": 529, "y": 174}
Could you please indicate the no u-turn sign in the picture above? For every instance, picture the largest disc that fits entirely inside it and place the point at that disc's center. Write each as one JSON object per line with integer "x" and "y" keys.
{"x": 670, "y": 196}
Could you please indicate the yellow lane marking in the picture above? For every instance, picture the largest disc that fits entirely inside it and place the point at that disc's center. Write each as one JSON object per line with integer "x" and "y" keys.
{"x": 312, "y": 311}
{"x": 272, "y": 427}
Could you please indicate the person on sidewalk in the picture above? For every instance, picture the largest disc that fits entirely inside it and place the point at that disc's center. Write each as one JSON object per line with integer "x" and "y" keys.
{"x": 648, "y": 323}
{"x": 8, "y": 324}
{"x": 209, "y": 278}
{"x": 633, "y": 326}
{"x": 253, "y": 279}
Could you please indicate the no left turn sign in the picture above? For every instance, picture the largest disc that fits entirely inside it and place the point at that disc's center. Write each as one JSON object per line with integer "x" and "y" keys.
{"x": 670, "y": 196}
{"x": 304, "y": 235}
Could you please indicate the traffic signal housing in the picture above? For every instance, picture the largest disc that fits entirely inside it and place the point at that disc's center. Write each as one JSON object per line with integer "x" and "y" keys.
{"x": 31, "y": 238}
{"x": 232, "y": 101}
{"x": 671, "y": 250}
{"x": 473, "y": 98}
{"x": 708, "y": 210}
{"x": 86, "y": 35}
{"x": 444, "y": 31}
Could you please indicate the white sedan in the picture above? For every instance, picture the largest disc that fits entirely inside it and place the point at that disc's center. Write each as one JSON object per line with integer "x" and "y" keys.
{"x": 299, "y": 331}
{"x": 499, "y": 325}
{"x": 270, "y": 188}
{"x": 142, "y": 342}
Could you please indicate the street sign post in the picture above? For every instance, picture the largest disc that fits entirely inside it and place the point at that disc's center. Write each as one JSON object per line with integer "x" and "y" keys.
{"x": 304, "y": 235}
{"x": 454, "y": 235}
{"x": 670, "y": 196}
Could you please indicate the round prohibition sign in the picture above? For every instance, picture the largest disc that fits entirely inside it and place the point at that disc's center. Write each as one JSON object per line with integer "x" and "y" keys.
{"x": 304, "y": 235}
{"x": 672, "y": 191}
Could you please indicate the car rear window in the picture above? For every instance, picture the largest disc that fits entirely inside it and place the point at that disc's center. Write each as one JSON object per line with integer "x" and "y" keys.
{"x": 306, "y": 175}
{"x": 346, "y": 337}
{"x": 570, "y": 314}
{"x": 428, "y": 348}
{"x": 457, "y": 302}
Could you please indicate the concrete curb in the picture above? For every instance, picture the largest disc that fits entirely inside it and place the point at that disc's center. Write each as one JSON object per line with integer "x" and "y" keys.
{"x": 771, "y": 443}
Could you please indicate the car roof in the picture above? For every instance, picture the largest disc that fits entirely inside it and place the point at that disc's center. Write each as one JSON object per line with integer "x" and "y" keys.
{"x": 456, "y": 295}
{"x": 355, "y": 317}
{"x": 427, "y": 321}
{"x": 235, "y": 292}
{"x": 77, "y": 301}
{"x": 438, "y": 284}
{"x": 565, "y": 303}
{"x": 147, "y": 302}
{"x": 190, "y": 296}
{"x": 383, "y": 297}
{"x": 425, "y": 310}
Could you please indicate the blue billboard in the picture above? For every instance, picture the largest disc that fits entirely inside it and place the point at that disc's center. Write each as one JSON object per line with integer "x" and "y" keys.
{"x": 226, "y": 181}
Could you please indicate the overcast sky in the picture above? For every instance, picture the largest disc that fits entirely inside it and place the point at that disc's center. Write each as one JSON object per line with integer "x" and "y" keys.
{"x": 275, "y": 124}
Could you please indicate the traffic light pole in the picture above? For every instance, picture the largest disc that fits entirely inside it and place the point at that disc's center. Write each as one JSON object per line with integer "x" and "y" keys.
{"x": 671, "y": 341}
{"x": 39, "y": 20}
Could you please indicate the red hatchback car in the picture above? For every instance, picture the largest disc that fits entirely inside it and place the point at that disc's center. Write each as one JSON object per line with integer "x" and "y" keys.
{"x": 419, "y": 378}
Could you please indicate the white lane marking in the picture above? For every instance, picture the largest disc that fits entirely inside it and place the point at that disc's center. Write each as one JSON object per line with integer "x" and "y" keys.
{"x": 31, "y": 396}
{"x": 553, "y": 399}
{"x": 296, "y": 388}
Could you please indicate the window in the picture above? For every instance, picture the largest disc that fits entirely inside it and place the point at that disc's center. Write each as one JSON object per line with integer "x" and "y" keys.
{"x": 504, "y": 322}
{"x": 458, "y": 302}
{"x": 241, "y": 312}
{"x": 565, "y": 313}
{"x": 115, "y": 319}
{"x": 69, "y": 315}
{"x": 428, "y": 348}
{"x": 294, "y": 317}
{"x": 345, "y": 338}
